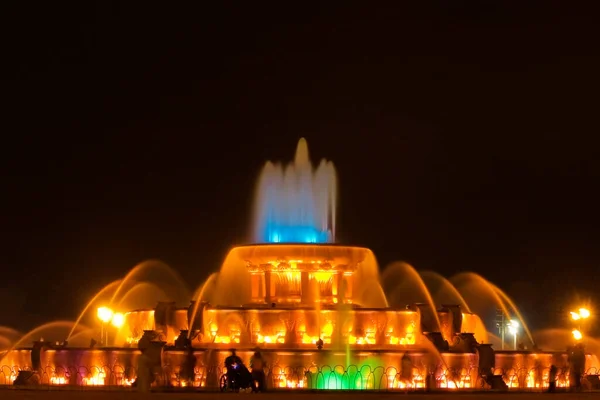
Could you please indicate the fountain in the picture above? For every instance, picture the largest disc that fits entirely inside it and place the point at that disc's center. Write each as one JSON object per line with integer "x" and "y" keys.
{"x": 321, "y": 313}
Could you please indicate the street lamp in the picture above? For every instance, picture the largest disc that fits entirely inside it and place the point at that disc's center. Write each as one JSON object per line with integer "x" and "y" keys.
{"x": 577, "y": 335}
{"x": 513, "y": 327}
{"x": 579, "y": 315}
{"x": 105, "y": 314}
{"x": 584, "y": 313}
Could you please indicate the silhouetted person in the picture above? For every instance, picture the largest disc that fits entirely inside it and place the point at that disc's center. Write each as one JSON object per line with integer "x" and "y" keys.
{"x": 232, "y": 360}
{"x": 319, "y": 344}
{"x": 233, "y": 364}
{"x": 257, "y": 363}
{"x": 552, "y": 379}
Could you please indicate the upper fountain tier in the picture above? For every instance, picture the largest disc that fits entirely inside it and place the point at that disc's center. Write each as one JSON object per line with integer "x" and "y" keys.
{"x": 302, "y": 273}
{"x": 302, "y": 257}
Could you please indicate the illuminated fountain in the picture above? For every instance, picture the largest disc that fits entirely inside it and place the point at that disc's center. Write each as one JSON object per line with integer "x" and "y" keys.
{"x": 320, "y": 312}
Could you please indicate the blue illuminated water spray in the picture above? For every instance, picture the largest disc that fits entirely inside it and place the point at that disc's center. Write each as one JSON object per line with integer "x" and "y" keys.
{"x": 296, "y": 203}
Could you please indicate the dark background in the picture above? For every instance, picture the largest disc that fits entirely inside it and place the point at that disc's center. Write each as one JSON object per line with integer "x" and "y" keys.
{"x": 464, "y": 134}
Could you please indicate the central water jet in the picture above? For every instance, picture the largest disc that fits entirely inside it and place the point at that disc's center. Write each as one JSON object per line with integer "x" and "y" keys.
{"x": 296, "y": 203}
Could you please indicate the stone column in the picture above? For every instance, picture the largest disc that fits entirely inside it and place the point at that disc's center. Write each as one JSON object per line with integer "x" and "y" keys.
{"x": 268, "y": 293}
{"x": 305, "y": 288}
{"x": 348, "y": 283}
{"x": 338, "y": 287}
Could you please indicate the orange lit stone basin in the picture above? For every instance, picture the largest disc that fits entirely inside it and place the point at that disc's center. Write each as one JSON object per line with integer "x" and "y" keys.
{"x": 292, "y": 369}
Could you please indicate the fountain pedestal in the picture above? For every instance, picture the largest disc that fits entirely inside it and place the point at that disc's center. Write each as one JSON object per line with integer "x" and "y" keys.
{"x": 150, "y": 361}
{"x": 487, "y": 359}
{"x": 36, "y": 355}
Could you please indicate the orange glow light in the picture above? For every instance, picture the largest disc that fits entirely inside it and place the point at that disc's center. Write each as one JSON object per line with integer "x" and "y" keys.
{"x": 105, "y": 314}
{"x": 118, "y": 320}
{"x": 584, "y": 313}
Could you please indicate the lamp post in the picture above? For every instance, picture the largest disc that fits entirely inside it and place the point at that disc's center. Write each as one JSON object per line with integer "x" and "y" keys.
{"x": 105, "y": 315}
{"x": 579, "y": 317}
{"x": 513, "y": 327}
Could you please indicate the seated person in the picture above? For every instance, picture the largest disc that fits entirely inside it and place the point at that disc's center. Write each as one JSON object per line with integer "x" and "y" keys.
{"x": 236, "y": 370}
{"x": 232, "y": 360}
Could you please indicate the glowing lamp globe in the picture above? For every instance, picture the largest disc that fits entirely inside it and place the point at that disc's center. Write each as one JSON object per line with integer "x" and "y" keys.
{"x": 118, "y": 320}
{"x": 105, "y": 314}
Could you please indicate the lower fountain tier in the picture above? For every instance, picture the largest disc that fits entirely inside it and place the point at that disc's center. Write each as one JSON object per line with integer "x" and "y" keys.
{"x": 292, "y": 369}
{"x": 291, "y": 327}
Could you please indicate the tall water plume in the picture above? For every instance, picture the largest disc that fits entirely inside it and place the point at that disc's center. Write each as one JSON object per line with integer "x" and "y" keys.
{"x": 296, "y": 203}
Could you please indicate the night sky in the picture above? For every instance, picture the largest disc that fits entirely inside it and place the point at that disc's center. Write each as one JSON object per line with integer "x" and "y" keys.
{"x": 465, "y": 138}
